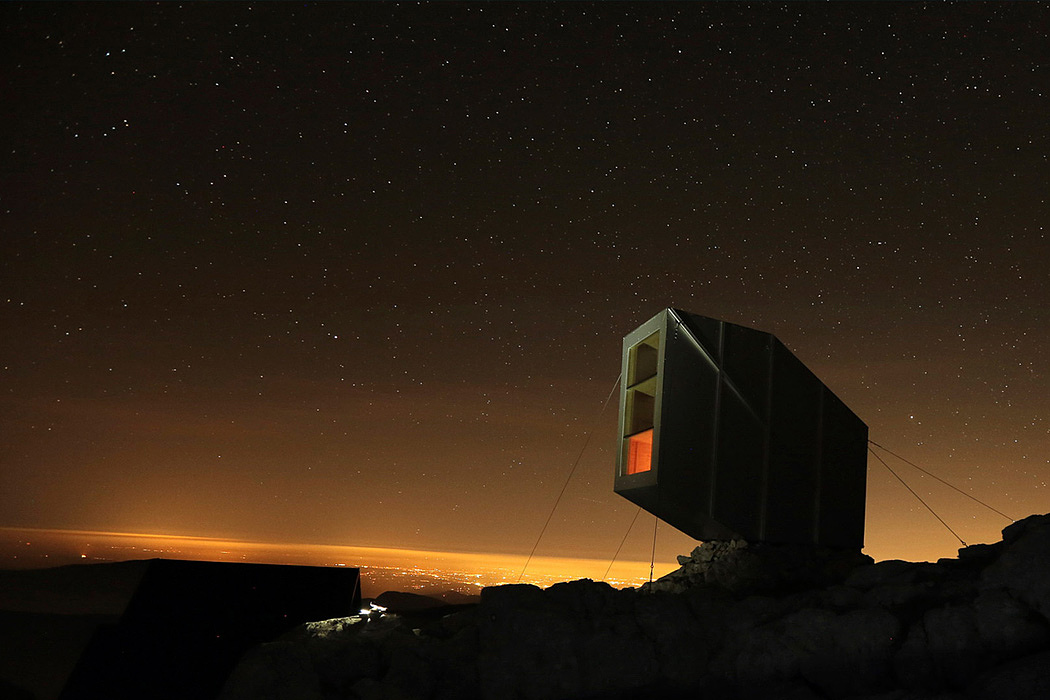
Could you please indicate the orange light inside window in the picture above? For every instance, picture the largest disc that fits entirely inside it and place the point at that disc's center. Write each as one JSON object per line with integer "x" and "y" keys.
{"x": 640, "y": 452}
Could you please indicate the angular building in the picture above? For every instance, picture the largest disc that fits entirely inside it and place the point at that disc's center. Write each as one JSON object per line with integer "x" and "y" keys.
{"x": 189, "y": 622}
{"x": 725, "y": 434}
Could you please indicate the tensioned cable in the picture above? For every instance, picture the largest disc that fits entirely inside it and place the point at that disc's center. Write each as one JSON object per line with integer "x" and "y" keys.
{"x": 652, "y": 561}
{"x": 572, "y": 471}
{"x": 951, "y": 486}
{"x": 629, "y": 528}
{"x": 916, "y": 495}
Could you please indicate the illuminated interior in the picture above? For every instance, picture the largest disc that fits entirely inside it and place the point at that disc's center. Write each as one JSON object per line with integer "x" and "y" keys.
{"x": 640, "y": 406}
{"x": 640, "y": 452}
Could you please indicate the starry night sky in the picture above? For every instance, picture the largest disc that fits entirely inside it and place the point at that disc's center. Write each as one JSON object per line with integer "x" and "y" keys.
{"x": 359, "y": 273}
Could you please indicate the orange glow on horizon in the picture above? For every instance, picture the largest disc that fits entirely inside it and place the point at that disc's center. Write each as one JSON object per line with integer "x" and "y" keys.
{"x": 469, "y": 572}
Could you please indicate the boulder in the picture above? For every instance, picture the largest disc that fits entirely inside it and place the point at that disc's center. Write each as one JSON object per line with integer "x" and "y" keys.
{"x": 980, "y": 555}
{"x": 1007, "y": 629}
{"x": 1022, "y": 679}
{"x": 276, "y": 671}
{"x": 1023, "y": 568}
{"x": 839, "y": 655}
{"x": 741, "y": 567}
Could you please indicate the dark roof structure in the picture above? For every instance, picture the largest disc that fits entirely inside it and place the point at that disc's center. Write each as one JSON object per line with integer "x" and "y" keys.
{"x": 725, "y": 434}
{"x": 188, "y": 623}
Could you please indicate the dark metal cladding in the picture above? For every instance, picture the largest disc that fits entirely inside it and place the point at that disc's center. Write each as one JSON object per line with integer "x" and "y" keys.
{"x": 725, "y": 434}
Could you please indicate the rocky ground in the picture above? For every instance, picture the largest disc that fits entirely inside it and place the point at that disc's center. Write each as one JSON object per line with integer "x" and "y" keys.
{"x": 735, "y": 622}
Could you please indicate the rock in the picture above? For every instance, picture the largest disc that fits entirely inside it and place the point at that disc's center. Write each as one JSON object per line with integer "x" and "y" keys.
{"x": 1022, "y": 679}
{"x": 1017, "y": 529}
{"x": 902, "y": 596}
{"x": 1006, "y": 628}
{"x": 511, "y": 595}
{"x": 913, "y": 695}
{"x": 519, "y": 632}
{"x": 908, "y": 589}
{"x": 782, "y": 690}
{"x": 736, "y": 621}
{"x": 841, "y": 597}
{"x": 742, "y": 568}
{"x": 584, "y": 598}
{"x": 681, "y": 642}
{"x": 839, "y": 655}
{"x": 888, "y": 572}
{"x": 980, "y": 555}
{"x": 610, "y": 661}
{"x": 277, "y": 671}
{"x": 321, "y": 658}
{"x": 952, "y": 645}
{"x": 341, "y": 652}
{"x": 913, "y": 666}
{"x": 1023, "y": 568}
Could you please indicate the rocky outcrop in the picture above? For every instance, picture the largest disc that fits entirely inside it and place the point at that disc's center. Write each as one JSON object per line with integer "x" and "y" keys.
{"x": 735, "y": 622}
{"x": 742, "y": 568}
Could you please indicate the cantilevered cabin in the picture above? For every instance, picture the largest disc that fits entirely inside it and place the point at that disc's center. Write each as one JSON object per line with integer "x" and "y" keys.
{"x": 725, "y": 434}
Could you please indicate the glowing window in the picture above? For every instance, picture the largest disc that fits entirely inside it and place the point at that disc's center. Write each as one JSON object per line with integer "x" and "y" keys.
{"x": 640, "y": 452}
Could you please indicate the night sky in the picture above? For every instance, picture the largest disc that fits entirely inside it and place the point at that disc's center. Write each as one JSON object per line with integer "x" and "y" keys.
{"x": 359, "y": 273}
